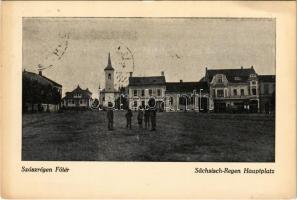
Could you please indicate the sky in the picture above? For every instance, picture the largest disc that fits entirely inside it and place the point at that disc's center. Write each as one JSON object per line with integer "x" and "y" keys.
{"x": 75, "y": 50}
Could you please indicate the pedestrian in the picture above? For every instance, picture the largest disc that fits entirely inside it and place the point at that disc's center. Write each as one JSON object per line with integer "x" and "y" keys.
{"x": 140, "y": 117}
{"x": 153, "y": 115}
{"x": 129, "y": 118}
{"x": 110, "y": 116}
{"x": 147, "y": 117}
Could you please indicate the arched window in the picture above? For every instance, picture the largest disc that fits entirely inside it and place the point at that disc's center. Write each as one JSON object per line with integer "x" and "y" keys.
{"x": 109, "y": 76}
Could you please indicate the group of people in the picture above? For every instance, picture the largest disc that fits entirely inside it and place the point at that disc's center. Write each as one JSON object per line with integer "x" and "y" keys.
{"x": 145, "y": 115}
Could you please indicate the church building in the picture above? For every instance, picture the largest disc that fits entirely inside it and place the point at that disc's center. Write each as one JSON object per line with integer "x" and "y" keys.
{"x": 109, "y": 93}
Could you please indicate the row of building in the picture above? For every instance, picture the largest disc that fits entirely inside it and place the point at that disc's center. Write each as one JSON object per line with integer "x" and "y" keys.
{"x": 220, "y": 90}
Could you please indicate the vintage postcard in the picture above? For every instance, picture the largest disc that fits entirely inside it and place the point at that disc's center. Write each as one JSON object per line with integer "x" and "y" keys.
{"x": 149, "y": 99}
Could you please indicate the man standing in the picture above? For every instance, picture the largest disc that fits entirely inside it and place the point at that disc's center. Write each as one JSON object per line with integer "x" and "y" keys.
{"x": 129, "y": 118}
{"x": 140, "y": 117}
{"x": 153, "y": 115}
{"x": 147, "y": 117}
{"x": 152, "y": 107}
{"x": 110, "y": 116}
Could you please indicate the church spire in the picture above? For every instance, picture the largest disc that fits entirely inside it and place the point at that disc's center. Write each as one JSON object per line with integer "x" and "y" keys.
{"x": 109, "y": 66}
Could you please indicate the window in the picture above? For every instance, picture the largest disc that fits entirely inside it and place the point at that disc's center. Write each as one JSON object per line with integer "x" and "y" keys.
{"x": 220, "y": 93}
{"x": 77, "y": 95}
{"x": 220, "y": 79}
{"x": 252, "y": 75}
{"x": 235, "y": 92}
{"x": 254, "y": 91}
{"x": 254, "y": 82}
{"x": 171, "y": 100}
{"x": 80, "y": 101}
{"x": 214, "y": 92}
{"x": 154, "y": 91}
{"x": 241, "y": 92}
{"x": 142, "y": 104}
{"x": 109, "y": 76}
{"x": 159, "y": 92}
{"x": 142, "y": 92}
{"x": 135, "y": 93}
{"x": 150, "y": 92}
{"x": 135, "y": 104}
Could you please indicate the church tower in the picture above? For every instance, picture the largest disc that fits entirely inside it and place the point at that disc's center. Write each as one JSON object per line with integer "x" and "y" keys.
{"x": 109, "y": 76}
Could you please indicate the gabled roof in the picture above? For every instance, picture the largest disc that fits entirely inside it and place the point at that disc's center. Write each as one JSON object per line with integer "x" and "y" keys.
{"x": 41, "y": 79}
{"x": 266, "y": 78}
{"x": 150, "y": 80}
{"x": 187, "y": 86}
{"x": 87, "y": 90}
{"x": 85, "y": 93}
{"x": 109, "y": 66}
{"x": 232, "y": 75}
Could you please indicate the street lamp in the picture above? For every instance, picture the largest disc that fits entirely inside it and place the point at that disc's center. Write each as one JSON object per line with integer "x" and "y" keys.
{"x": 194, "y": 99}
{"x": 200, "y": 99}
{"x": 145, "y": 96}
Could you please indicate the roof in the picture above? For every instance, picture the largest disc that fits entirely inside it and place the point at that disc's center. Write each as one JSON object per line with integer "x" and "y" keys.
{"x": 85, "y": 93}
{"x": 231, "y": 74}
{"x": 41, "y": 79}
{"x": 114, "y": 91}
{"x": 266, "y": 78}
{"x": 150, "y": 80}
{"x": 109, "y": 66}
{"x": 187, "y": 86}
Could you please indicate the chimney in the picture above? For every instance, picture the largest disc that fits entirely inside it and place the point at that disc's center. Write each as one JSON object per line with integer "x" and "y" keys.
{"x": 252, "y": 67}
{"x": 205, "y": 69}
{"x": 131, "y": 73}
{"x": 180, "y": 80}
{"x": 162, "y": 73}
{"x": 40, "y": 72}
{"x": 241, "y": 67}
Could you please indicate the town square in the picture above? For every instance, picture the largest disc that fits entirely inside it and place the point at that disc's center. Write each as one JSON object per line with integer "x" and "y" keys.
{"x": 189, "y": 107}
{"x": 179, "y": 137}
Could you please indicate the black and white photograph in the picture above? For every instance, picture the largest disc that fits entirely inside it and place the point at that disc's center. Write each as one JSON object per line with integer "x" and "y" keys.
{"x": 148, "y": 89}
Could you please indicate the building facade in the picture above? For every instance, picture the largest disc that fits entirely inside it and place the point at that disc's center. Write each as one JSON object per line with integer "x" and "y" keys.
{"x": 40, "y": 93}
{"x": 267, "y": 93}
{"x": 234, "y": 90}
{"x": 187, "y": 96}
{"x": 142, "y": 89}
{"x": 220, "y": 90}
{"x": 77, "y": 99}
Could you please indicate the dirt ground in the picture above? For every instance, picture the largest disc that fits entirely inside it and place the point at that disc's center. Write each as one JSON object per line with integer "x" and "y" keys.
{"x": 195, "y": 137}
